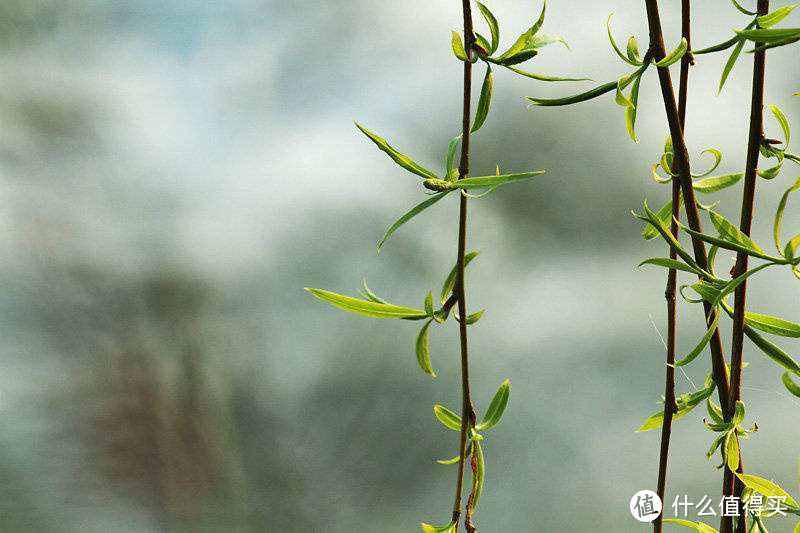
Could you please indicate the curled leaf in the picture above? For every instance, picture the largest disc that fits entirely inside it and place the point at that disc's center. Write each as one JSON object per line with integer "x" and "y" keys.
{"x": 790, "y": 385}
{"x": 616, "y": 48}
{"x": 494, "y": 27}
{"x": 423, "y": 353}
{"x": 401, "y": 159}
{"x": 716, "y": 183}
{"x": 458, "y": 46}
{"x": 675, "y": 55}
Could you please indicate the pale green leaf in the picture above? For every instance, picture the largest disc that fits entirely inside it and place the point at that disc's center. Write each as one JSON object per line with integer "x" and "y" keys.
{"x": 766, "y": 487}
{"x": 771, "y": 35}
{"x": 449, "y": 528}
{"x": 543, "y": 77}
{"x": 731, "y": 233}
{"x": 447, "y": 417}
{"x": 485, "y": 100}
{"x": 401, "y": 159}
{"x": 450, "y": 281}
{"x": 732, "y": 452}
{"x": 582, "y": 97}
{"x": 458, "y": 46}
{"x": 716, "y": 183}
{"x": 496, "y": 408}
{"x": 494, "y": 27}
{"x": 675, "y": 55}
{"x": 779, "y": 213}
{"x": 697, "y": 526}
{"x": 423, "y": 352}
{"x": 773, "y": 351}
{"x": 492, "y": 181}
{"x": 366, "y": 307}
{"x": 737, "y": 51}
{"x": 417, "y": 209}
{"x": 616, "y": 48}
{"x": 771, "y": 19}
{"x": 772, "y": 324}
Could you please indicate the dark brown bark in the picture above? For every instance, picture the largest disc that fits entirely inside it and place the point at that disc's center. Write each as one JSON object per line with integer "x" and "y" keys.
{"x": 681, "y": 160}
{"x": 467, "y": 411}
{"x": 733, "y": 486}
{"x": 670, "y": 407}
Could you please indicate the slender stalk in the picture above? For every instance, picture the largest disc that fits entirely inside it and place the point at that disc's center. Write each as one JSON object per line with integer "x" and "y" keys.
{"x": 756, "y": 136}
{"x": 684, "y": 177}
{"x": 467, "y": 410}
{"x": 670, "y": 407}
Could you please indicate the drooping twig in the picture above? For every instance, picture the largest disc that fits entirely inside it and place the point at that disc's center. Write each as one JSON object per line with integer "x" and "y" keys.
{"x": 670, "y": 406}
{"x": 467, "y": 410}
{"x": 735, "y": 487}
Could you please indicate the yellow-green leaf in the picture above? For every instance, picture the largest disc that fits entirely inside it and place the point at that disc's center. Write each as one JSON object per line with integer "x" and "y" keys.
{"x": 366, "y": 307}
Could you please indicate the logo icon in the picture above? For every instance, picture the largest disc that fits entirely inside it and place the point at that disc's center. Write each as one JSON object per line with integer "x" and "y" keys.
{"x": 645, "y": 506}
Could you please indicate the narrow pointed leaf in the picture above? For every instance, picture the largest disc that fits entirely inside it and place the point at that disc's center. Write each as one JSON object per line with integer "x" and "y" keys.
{"x": 691, "y": 356}
{"x": 672, "y": 264}
{"x": 773, "y": 351}
{"x": 369, "y": 295}
{"x": 773, "y": 325}
{"x": 450, "y": 159}
{"x": 401, "y": 159}
{"x": 630, "y": 112}
{"x": 731, "y": 233}
{"x": 697, "y": 526}
{"x": 423, "y": 353}
{"x": 771, "y": 19}
{"x": 790, "y": 384}
{"x": 417, "y": 209}
{"x": 782, "y": 121}
{"x": 633, "y": 51}
{"x": 543, "y": 77}
{"x": 771, "y": 35}
{"x": 485, "y": 100}
{"x": 582, "y": 97}
{"x": 726, "y": 70}
{"x": 732, "y": 452}
{"x": 449, "y": 528}
{"x": 675, "y": 55}
{"x": 458, "y": 46}
{"x": 450, "y": 281}
{"x": 616, "y": 48}
{"x": 766, "y": 487}
{"x": 493, "y": 181}
{"x": 664, "y": 214}
{"x": 366, "y": 307}
{"x": 716, "y": 183}
{"x": 717, "y": 159}
{"x": 480, "y": 473}
{"x": 447, "y": 417}
{"x": 496, "y": 408}
{"x": 494, "y": 27}
{"x": 742, "y": 10}
{"x": 779, "y": 213}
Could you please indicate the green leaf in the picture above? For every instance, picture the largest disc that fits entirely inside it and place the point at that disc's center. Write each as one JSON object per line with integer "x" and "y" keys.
{"x": 616, "y": 48}
{"x": 458, "y": 46}
{"x": 496, "y": 408}
{"x": 664, "y": 214}
{"x": 543, "y": 77}
{"x": 716, "y": 183}
{"x": 782, "y": 121}
{"x": 449, "y": 528}
{"x": 633, "y": 51}
{"x": 630, "y": 112}
{"x": 737, "y": 51}
{"x": 766, "y": 487}
{"x": 451, "y": 461}
{"x": 417, "y": 209}
{"x": 672, "y": 264}
{"x": 697, "y": 526}
{"x": 668, "y": 236}
{"x": 423, "y": 353}
{"x": 401, "y": 159}
{"x": 772, "y": 324}
{"x": 368, "y": 294}
{"x": 738, "y": 416}
{"x": 540, "y": 41}
{"x": 770, "y": 19}
{"x": 493, "y": 181}
{"x": 447, "y": 417}
{"x": 742, "y": 10}
{"x": 450, "y": 159}
{"x": 485, "y": 100}
{"x": 771, "y": 35}
{"x": 731, "y": 233}
{"x": 582, "y": 97}
{"x": 675, "y": 55}
{"x": 474, "y": 317}
{"x": 494, "y": 27}
{"x": 717, "y": 158}
{"x": 366, "y": 307}
{"x": 429, "y": 304}
{"x": 728, "y": 245}
{"x": 480, "y": 473}
{"x": 791, "y": 386}
{"x": 522, "y": 49}
{"x": 779, "y": 213}
{"x": 450, "y": 281}
{"x": 691, "y": 356}
{"x": 732, "y": 452}
{"x": 724, "y": 45}
{"x": 715, "y": 412}
{"x": 772, "y": 351}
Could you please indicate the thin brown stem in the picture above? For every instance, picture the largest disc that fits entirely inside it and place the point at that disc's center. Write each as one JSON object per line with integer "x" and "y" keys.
{"x": 683, "y": 168}
{"x": 756, "y": 136}
{"x": 467, "y": 411}
{"x": 670, "y": 406}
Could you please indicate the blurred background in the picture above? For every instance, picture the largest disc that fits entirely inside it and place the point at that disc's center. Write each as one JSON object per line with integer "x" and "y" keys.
{"x": 174, "y": 172}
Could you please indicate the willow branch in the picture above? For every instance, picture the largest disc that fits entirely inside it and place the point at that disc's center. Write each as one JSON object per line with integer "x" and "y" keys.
{"x": 670, "y": 406}
{"x": 467, "y": 411}
{"x": 756, "y": 136}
